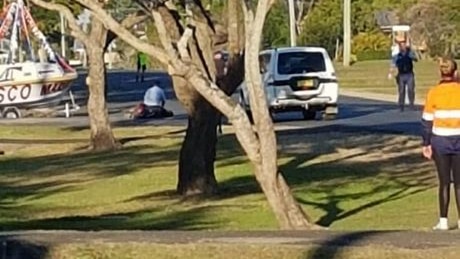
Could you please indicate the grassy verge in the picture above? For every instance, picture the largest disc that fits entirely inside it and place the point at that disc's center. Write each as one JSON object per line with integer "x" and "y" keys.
{"x": 248, "y": 251}
{"x": 372, "y": 76}
{"x": 344, "y": 181}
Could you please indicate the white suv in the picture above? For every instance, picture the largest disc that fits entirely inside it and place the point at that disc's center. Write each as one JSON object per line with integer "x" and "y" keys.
{"x": 297, "y": 79}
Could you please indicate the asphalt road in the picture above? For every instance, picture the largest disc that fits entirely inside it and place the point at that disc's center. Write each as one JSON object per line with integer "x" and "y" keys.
{"x": 355, "y": 114}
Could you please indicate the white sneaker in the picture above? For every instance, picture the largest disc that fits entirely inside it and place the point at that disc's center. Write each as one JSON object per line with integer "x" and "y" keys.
{"x": 440, "y": 226}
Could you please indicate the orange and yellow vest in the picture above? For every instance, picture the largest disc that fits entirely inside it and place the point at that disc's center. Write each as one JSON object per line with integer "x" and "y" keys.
{"x": 441, "y": 117}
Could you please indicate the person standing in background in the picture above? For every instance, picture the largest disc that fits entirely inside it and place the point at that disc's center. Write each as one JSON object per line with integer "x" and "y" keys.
{"x": 403, "y": 63}
{"x": 141, "y": 66}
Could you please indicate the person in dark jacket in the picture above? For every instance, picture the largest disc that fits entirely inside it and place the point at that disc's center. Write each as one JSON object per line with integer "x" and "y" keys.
{"x": 441, "y": 136}
{"x": 403, "y": 62}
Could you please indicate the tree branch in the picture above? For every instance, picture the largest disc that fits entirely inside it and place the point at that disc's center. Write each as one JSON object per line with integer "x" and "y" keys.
{"x": 233, "y": 32}
{"x": 200, "y": 13}
{"x": 75, "y": 30}
{"x": 124, "y": 33}
{"x": 248, "y": 18}
{"x": 203, "y": 39}
{"x": 128, "y": 22}
{"x": 165, "y": 39}
{"x": 252, "y": 66}
{"x": 302, "y": 18}
{"x": 183, "y": 42}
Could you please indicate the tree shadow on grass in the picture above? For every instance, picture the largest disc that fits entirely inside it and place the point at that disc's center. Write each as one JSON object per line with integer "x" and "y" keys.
{"x": 44, "y": 141}
{"x": 352, "y": 157}
{"x": 392, "y": 169}
{"x": 124, "y": 161}
{"x": 28, "y": 179}
{"x": 11, "y": 192}
{"x": 335, "y": 213}
{"x": 152, "y": 219}
{"x": 332, "y": 247}
{"x": 319, "y": 166}
{"x": 306, "y": 166}
{"x": 16, "y": 248}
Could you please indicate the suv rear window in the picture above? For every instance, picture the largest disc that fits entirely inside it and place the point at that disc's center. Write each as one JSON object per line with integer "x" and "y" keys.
{"x": 300, "y": 62}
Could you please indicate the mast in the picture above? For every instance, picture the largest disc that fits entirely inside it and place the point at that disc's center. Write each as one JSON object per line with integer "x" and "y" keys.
{"x": 18, "y": 16}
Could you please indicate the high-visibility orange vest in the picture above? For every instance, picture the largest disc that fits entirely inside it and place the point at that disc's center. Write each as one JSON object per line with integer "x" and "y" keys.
{"x": 442, "y": 108}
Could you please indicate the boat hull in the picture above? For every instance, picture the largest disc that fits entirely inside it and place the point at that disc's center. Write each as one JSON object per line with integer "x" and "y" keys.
{"x": 32, "y": 84}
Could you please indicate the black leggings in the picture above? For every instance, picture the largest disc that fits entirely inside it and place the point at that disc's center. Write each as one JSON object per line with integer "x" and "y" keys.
{"x": 448, "y": 167}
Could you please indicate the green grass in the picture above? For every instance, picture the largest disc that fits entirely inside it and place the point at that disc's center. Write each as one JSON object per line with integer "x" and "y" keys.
{"x": 372, "y": 76}
{"x": 245, "y": 251}
{"x": 344, "y": 181}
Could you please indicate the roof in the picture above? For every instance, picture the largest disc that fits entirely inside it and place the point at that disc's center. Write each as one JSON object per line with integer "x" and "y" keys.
{"x": 296, "y": 49}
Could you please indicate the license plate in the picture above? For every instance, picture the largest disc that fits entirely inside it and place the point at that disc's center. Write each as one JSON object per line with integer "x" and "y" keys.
{"x": 305, "y": 84}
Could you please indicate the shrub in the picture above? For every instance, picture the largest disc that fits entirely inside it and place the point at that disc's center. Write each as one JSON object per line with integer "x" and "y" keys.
{"x": 373, "y": 55}
{"x": 371, "y": 42}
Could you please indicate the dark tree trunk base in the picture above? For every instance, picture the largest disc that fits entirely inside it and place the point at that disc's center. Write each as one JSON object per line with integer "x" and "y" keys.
{"x": 198, "y": 153}
{"x": 102, "y": 138}
{"x": 104, "y": 141}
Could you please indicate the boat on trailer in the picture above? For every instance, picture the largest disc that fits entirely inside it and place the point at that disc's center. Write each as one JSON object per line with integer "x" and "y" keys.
{"x": 30, "y": 82}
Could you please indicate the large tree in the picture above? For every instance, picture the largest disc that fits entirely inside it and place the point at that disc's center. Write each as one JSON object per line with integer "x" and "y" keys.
{"x": 196, "y": 161}
{"x": 178, "y": 52}
{"x": 95, "y": 41}
{"x": 435, "y": 25}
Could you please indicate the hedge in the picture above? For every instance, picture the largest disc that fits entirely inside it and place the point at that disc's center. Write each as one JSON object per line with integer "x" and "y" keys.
{"x": 373, "y": 55}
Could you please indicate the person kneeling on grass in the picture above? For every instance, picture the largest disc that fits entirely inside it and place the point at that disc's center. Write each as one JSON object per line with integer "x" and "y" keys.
{"x": 153, "y": 105}
{"x": 441, "y": 136}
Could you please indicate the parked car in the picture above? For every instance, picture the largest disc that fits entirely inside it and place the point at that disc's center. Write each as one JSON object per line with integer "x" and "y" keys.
{"x": 297, "y": 79}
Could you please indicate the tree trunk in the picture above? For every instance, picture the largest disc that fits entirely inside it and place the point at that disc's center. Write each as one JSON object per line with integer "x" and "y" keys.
{"x": 198, "y": 152}
{"x": 289, "y": 214}
{"x": 101, "y": 132}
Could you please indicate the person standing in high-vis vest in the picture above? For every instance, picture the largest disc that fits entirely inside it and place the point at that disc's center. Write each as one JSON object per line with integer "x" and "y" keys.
{"x": 441, "y": 136}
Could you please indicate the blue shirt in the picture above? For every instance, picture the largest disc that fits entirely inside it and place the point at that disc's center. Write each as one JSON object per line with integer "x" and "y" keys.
{"x": 398, "y": 56}
{"x": 155, "y": 96}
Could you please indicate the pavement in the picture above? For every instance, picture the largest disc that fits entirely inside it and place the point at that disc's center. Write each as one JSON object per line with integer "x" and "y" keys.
{"x": 367, "y": 94}
{"x": 398, "y": 239}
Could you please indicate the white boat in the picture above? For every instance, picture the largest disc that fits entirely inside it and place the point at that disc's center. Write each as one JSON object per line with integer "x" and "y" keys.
{"x": 34, "y": 82}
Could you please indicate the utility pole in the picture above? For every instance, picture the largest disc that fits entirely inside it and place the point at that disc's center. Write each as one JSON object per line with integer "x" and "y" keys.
{"x": 62, "y": 35}
{"x": 346, "y": 32}
{"x": 292, "y": 23}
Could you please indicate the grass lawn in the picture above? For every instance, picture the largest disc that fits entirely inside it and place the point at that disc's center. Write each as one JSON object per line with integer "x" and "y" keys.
{"x": 222, "y": 251}
{"x": 344, "y": 181}
{"x": 372, "y": 76}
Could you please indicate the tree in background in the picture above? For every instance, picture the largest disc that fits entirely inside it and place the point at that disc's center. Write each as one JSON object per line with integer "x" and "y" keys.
{"x": 365, "y": 28}
{"x": 323, "y": 26}
{"x": 436, "y": 24}
{"x": 276, "y": 29}
{"x": 95, "y": 42}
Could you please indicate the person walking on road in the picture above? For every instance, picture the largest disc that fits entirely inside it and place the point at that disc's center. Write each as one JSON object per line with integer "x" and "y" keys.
{"x": 141, "y": 66}
{"x": 441, "y": 136}
{"x": 403, "y": 63}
